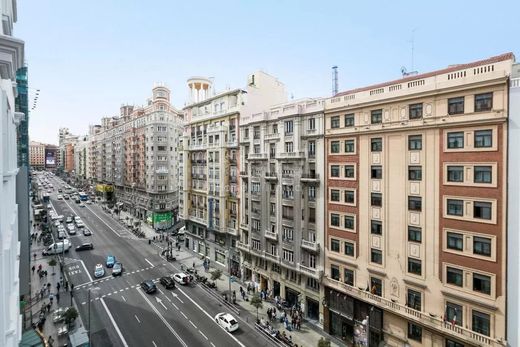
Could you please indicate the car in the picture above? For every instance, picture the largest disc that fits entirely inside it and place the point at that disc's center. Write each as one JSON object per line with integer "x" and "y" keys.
{"x": 61, "y": 235}
{"x": 66, "y": 197}
{"x": 69, "y": 220}
{"x": 148, "y": 286}
{"x": 117, "y": 269}
{"x": 99, "y": 271}
{"x": 60, "y": 197}
{"x": 89, "y": 202}
{"x": 181, "y": 278}
{"x": 87, "y": 232}
{"x": 111, "y": 260}
{"x": 167, "y": 282}
{"x": 57, "y": 223}
{"x": 226, "y": 321}
{"x": 49, "y": 206}
{"x": 81, "y": 204}
{"x": 71, "y": 229}
{"x": 85, "y": 247}
{"x": 80, "y": 224}
{"x": 77, "y": 201}
{"x": 60, "y": 190}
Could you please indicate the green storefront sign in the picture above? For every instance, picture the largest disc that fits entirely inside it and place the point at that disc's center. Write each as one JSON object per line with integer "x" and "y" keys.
{"x": 162, "y": 220}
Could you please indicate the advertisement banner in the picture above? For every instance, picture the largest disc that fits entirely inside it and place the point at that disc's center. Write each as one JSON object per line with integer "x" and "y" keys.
{"x": 50, "y": 157}
{"x": 162, "y": 220}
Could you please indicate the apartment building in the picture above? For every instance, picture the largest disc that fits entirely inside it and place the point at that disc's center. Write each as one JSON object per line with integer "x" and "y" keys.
{"x": 82, "y": 159}
{"x": 210, "y": 163}
{"x": 66, "y": 150}
{"x": 37, "y": 155}
{"x": 134, "y": 158}
{"x": 282, "y": 202}
{"x": 416, "y": 206}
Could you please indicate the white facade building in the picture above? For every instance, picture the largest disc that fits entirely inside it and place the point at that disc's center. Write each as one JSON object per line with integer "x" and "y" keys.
{"x": 10, "y": 60}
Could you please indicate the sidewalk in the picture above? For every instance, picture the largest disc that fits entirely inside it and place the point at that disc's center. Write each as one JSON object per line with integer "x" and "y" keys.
{"x": 148, "y": 231}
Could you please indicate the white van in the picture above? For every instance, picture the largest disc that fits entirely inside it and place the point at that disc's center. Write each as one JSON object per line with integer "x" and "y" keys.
{"x": 181, "y": 233}
{"x": 57, "y": 248}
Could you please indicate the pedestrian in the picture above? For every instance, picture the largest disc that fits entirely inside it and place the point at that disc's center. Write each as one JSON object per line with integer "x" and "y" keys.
{"x": 269, "y": 314}
{"x": 39, "y": 267}
{"x": 34, "y": 256}
{"x": 49, "y": 287}
{"x": 234, "y": 297}
{"x": 50, "y": 341}
{"x": 33, "y": 268}
{"x": 58, "y": 286}
{"x": 66, "y": 285}
{"x": 46, "y": 273}
{"x": 51, "y": 298}
{"x": 72, "y": 287}
{"x": 57, "y": 298}
{"x": 48, "y": 307}
{"x": 194, "y": 265}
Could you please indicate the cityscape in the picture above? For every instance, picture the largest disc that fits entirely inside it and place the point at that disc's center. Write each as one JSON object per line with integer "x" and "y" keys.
{"x": 383, "y": 213}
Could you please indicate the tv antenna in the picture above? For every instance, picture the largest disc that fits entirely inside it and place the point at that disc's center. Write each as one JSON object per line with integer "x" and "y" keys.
{"x": 334, "y": 80}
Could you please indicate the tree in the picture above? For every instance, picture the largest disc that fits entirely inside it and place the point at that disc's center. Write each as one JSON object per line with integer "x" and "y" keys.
{"x": 323, "y": 342}
{"x": 70, "y": 315}
{"x": 52, "y": 263}
{"x": 216, "y": 275}
{"x": 256, "y": 301}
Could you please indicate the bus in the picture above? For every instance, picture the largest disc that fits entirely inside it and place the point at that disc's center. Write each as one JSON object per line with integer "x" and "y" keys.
{"x": 83, "y": 196}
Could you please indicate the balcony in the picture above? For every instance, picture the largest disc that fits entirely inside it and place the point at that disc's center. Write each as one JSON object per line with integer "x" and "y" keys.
{"x": 197, "y": 146}
{"x": 311, "y": 245}
{"x": 272, "y": 257}
{"x": 232, "y": 231}
{"x": 244, "y": 139}
{"x": 270, "y": 235}
{"x": 233, "y": 143}
{"x": 428, "y": 320}
{"x": 310, "y": 177}
{"x": 243, "y": 173}
{"x": 291, "y": 155}
{"x": 271, "y": 176}
{"x": 256, "y": 211}
{"x": 309, "y": 271}
{"x": 233, "y": 179}
{"x": 273, "y": 136}
{"x": 258, "y": 156}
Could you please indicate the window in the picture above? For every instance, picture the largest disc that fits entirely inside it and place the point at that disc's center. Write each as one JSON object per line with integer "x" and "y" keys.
{"x": 312, "y": 149}
{"x": 334, "y": 219}
{"x": 483, "y": 139}
{"x": 334, "y": 195}
{"x": 288, "y": 126}
{"x": 415, "y": 332}
{"x": 376, "y": 199}
{"x": 288, "y": 255}
{"x": 334, "y": 245}
{"x": 334, "y": 272}
{"x": 376, "y": 227}
{"x": 455, "y": 207}
{"x": 349, "y": 146}
{"x": 334, "y": 122}
{"x": 414, "y": 266}
{"x": 376, "y": 286}
{"x": 455, "y": 173}
{"x": 415, "y": 173}
{"x": 349, "y": 249}
{"x": 414, "y": 299}
{"x": 312, "y": 123}
{"x": 483, "y": 102}
{"x": 480, "y": 323}
{"x": 376, "y": 116}
{"x": 482, "y": 210}
{"x": 349, "y": 171}
{"x": 349, "y": 197}
{"x": 334, "y": 146}
{"x": 376, "y": 144}
{"x": 454, "y": 276}
{"x": 456, "y": 140}
{"x": 451, "y": 343}
{"x": 415, "y": 111}
{"x": 376, "y": 256}
{"x": 456, "y": 105}
{"x": 349, "y": 222}
{"x": 334, "y": 170}
{"x": 289, "y": 147}
{"x": 348, "y": 277}
{"x": 256, "y": 132}
{"x": 349, "y": 120}
{"x": 482, "y": 246}
{"x": 376, "y": 172}
{"x": 415, "y": 142}
{"x": 288, "y": 234}
{"x": 454, "y": 313}
{"x": 414, "y": 234}
{"x": 455, "y": 241}
{"x": 415, "y": 203}
{"x": 482, "y": 174}
{"x": 482, "y": 283}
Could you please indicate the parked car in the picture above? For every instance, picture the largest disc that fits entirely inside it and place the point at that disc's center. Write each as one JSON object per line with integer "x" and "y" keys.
{"x": 71, "y": 229}
{"x": 99, "y": 271}
{"x": 226, "y": 321}
{"x": 85, "y": 247}
{"x": 66, "y": 197}
{"x": 117, "y": 269}
{"x": 167, "y": 282}
{"x": 80, "y": 224}
{"x": 69, "y": 220}
{"x": 86, "y": 232}
{"x": 111, "y": 260}
{"x": 148, "y": 286}
{"x": 61, "y": 235}
{"x": 181, "y": 278}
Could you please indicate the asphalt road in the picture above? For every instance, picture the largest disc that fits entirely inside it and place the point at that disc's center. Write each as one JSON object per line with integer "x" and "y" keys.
{"x": 121, "y": 313}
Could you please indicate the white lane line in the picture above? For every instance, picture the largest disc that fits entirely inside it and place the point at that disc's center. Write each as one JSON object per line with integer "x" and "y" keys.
{"x": 122, "y": 297}
{"x": 160, "y": 291}
{"x": 212, "y": 345}
{"x": 137, "y": 318}
{"x": 175, "y": 306}
{"x": 203, "y": 335}
{"x": 153, "y": 342}
{"x": 103, "y": 296}
{"x": 84, "y": 302}
{"x": 182, "y": 302}
{"x": 162, "y": 318}
{"x": 193, "y": 324}
{"x": 101, "y": 219}
{"x": 168, "y": 298}
{"x": 210, "y": 317}
{"x": 114, "y": 323}
{"x": 149, "y": 262}
{"x": 184, "y": 315}
{"x": 121, "y": 290}
{"x": 86, "y": 271}
{"x": 97, "y": 298}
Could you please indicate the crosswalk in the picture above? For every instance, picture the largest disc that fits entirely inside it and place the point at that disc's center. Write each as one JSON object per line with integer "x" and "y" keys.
{"x": 117, "y": 291}
{"x": 104, "y": 279}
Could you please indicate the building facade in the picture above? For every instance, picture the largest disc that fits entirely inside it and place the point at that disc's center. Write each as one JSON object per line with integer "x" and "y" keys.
{"x": 37, "y": 155}
{"x": 416, "y": 208}
{"x": 22, "y": 105}
{"x": 210, "y": 204}
{"x": 82, "y": 160}
{"x": 11, "y": 60}
{"x": 282, "y": 201}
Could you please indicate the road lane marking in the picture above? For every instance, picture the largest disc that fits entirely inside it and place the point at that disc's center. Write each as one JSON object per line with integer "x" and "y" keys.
{"x": 162, "y": 318}
{"x": 193, "y": 324}
{"x": 86, "y": 271}
{"x": 160, "y": 302}
{"x": 203, "y": 335}
{"x": 114, "y": 323}
{"x": 149, "y": 262}
{"x": 212, "y": 345}
{"x": 121, "y": 290}
{"x": 167, "y": 298}
{"x": 137, "y": 318}
{"x": 153, "y": 342}
{"x": 101, "y": 219}
{"x": 175, "y": 306}
{"x": 122, "y": 297}
{"x": 184, "y": 315}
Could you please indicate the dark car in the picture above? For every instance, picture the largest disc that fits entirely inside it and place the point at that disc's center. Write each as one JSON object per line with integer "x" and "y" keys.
{"x": 167, "y": 282}
{"x": 85, "y": 247}
{"x": 148, "y": 286}
{"x": 66, "y": 197}
{"x": 117, "y": 269}
{"x": 86, "y": 232}
{"x": 77, "y": 201}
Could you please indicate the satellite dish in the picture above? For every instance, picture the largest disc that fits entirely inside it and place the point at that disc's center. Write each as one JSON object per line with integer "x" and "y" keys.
{"x": 403, "y": 70}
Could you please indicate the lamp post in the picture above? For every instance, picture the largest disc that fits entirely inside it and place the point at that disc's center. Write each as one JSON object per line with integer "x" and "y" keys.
{"x": 89, "y": 322}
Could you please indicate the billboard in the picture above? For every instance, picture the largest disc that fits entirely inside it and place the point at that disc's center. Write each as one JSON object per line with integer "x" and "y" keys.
{"x": 50, "y": 157}
{"x": 162, "y": 220}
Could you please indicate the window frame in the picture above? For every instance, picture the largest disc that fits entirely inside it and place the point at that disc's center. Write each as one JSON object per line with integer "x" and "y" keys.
{"x": 334, "y": 242}
{"x": 376, "y": 144}
{"x": 333, "y": 124}
{"x": 484, "y": 105}
{"x": 412, "y": 173}
{"x": 351, "y": 246}
{"x": 415, "y": 142}
{"x": 335, "y": 147}
{"x": 377, "y": 230}
{"x": 349, "y": 116}
{"x": 454, "y": 105}
{"x": 415, "y": 111}
{"x": 415, "y": 262}
{"x": 414, "y": 203}
{"x": 377, "y": 196}
{"x": 376, "y": 172}
{"x": 452, "y": 171}
{"x": 455, "y": 135}
{"x": 451, "y": 201}
{"x": 456, "y": 271}
{"x": 414, "y": 232}
{"x": 457, "y": 243}
{"x": 376, "y": 116}
{"x": 483, "y": 175}
{"x": 375, "y": 255}
{"x": 480, "y": 138}
{"x": 488, "y": 205}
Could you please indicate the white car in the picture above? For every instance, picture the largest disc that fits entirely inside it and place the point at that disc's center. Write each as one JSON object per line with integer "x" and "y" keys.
{"x": 226, "y": 321}
{"x": 181, "y": 278}
{"x": 71, "y": 229}
{"x": 99, "y": 271}
{"x": 60, "y": 197}
{"x": 81, "y": 204}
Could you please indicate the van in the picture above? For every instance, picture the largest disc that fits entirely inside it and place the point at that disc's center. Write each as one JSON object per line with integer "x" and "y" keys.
{"x": 181, "y": 233}
{"x": 57, "y": 248}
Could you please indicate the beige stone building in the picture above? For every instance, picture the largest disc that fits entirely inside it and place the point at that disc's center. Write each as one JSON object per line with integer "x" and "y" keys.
{"x": 416, "y": 207}
{"x": 37, "y": 155}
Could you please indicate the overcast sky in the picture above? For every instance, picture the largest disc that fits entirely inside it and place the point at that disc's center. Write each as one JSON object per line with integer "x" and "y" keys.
{"x": 89, "y": 57}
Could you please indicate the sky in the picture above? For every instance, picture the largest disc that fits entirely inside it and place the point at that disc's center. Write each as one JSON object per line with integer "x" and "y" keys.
{"x": 88, "y": 58}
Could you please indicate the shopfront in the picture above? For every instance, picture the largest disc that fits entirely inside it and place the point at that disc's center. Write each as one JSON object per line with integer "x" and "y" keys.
{"x": 291, "y": 296}
{"x": 313, "y": 308}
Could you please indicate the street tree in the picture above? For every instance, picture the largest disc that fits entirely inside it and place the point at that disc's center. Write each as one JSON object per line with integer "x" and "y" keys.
{"x": 216, "y": 275}
{"x": 52, "y": 263}
{"x": 323, "y": 342}
{"x": 256, "y": 301}
{"x": 70, "y": 315}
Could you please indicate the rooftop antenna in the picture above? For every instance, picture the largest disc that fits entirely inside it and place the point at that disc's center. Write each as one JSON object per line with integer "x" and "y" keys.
{"x": 334, "y": 80}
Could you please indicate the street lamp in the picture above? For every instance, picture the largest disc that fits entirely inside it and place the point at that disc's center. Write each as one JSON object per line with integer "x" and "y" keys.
{"x": 89, "y": 322}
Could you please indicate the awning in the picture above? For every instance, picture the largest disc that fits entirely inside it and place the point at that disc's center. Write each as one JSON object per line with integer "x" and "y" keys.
{"x": 30, "y": 339}
{"x": 79, "y": 338}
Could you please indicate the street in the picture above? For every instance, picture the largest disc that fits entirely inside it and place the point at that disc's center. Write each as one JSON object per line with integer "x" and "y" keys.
{"x": 121, "y": 314}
